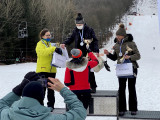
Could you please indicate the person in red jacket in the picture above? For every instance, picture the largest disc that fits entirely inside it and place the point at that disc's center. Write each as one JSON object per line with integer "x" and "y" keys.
{"x": 77, "y": 74}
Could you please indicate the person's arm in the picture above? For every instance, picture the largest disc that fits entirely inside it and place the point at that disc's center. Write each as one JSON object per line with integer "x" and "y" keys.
{"x": 67, "y": 77}
{"x": 136, "y": 55}
{"x": 111, "y": 56}
{"x": 95, "y": 41}
{"x": 70, "y": 39}
{"x": 94, "y": 61}
{"x": 8, "y": 100}
{"x": 75, "y": 106}
{"x": 42, "y": 50}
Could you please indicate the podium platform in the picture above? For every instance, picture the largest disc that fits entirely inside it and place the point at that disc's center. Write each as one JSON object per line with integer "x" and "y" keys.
{"x": 141, "y": 115}
{"x": 103, "y": 103}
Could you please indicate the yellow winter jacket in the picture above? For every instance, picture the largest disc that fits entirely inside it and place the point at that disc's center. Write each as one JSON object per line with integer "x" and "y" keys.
{"x": 44, "y": 57}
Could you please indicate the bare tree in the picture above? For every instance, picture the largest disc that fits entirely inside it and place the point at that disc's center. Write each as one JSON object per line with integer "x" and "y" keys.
{"x": 11, "y": 11}
{"x": 60, "y": 16}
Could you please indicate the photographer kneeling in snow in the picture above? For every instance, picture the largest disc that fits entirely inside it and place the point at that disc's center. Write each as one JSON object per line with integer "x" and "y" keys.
{"x": 29, "y": 107}
{"x": 77, "y": 74}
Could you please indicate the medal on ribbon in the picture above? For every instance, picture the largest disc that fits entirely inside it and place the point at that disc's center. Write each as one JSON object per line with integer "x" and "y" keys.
{"x": 81, "y": 36}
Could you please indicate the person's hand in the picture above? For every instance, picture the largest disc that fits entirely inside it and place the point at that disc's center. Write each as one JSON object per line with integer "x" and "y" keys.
{"x": 126, "y": 56}
{"x": 55, "y": 84}
{"x": 106, "y": 52}
{"x": 30, "y": 76}
{"x": 97, "y": 54}
{"x": 62, "y": 46}
{"x": 58, "y": 50}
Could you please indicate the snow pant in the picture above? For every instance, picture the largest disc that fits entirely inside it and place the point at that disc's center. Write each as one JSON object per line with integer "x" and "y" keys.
{"x": 92, "y": 80}
{"x": 132, "y": 93}
{"x": 84, "y": 97}
{"x": 50, "y": 93}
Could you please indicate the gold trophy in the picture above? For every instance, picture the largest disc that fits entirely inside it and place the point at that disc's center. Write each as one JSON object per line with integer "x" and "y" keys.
{"x": 58, "y": 44}
{"x": 128, "y": 50}
{"x": 87, "y": 41}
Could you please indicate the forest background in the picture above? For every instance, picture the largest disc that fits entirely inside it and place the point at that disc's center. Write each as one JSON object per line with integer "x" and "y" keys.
{"x": 22, "y": 20}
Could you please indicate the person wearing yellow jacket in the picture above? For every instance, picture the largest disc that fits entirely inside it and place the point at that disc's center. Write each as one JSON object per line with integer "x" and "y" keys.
{"x": 44, "y": 51}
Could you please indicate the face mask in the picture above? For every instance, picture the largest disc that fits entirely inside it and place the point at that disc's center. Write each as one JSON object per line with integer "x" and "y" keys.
{"x": 48, "y": 39}
{"x": 80, "y": 27}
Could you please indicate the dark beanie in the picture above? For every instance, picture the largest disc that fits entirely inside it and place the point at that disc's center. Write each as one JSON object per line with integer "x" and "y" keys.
{"x": 121, "y": 31}
{"x": 34, "y": 90}
{"x": 79, "y": 19}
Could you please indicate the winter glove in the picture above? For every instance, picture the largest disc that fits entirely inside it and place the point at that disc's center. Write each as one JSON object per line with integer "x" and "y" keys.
{"x": 106, "y": 66}
{"x": 30, "y": 76}
{"x": 58, "y": 50}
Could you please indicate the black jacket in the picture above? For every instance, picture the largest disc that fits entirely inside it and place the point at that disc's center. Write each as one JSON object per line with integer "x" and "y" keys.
{"x": 88, "y": 33}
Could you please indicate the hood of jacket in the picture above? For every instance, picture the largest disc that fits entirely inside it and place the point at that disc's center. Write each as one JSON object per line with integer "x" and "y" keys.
{"x": 128, "y": 38}
{"x": 78, "y": 67}
{"x": 28, "y": 109}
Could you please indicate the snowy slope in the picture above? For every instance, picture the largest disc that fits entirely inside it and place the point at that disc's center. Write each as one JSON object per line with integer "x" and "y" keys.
{"x": 147, "y": 7}
{"x": 146, "y": 35}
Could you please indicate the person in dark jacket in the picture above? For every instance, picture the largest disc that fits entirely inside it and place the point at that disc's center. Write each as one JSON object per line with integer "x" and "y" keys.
{"x": 80, "y": 32}
{"x": 77, "y": 75}
{"x": 123, "y": 41}
{"x": 29, "y": 107}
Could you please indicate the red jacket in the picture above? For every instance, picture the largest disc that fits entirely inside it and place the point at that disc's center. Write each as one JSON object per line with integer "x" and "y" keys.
{"x": 80, "y": 80}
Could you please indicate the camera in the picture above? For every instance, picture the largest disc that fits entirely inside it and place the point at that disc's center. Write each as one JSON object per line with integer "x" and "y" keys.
{"x": 43, "y": 82}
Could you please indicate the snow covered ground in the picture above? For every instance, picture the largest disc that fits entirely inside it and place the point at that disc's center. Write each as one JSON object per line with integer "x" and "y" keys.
{"x": 145, "y": 30}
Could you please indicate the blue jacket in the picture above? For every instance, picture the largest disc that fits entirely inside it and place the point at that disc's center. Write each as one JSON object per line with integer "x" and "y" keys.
{"x": 14, "y": 108}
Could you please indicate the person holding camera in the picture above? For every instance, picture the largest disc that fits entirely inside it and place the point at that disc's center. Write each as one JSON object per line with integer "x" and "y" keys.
{"x": 44, "y": 51}
{"x": 30, "y": 106}
{"x": 123, "y": 42}
{"x": 77, "y": 74}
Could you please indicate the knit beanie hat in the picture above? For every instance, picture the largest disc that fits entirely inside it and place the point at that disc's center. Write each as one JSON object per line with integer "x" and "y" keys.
{"x": 34, "y": 90}
{"x": 76, "y": 53}
{"x": 121, "y": 31}
{"x": 79, "y": 19}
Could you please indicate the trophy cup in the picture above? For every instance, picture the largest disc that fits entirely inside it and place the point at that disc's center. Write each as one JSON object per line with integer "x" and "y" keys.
{"x": 128, "y": 50}
{"x": 87, "y": 41}
{"x": 58, "y": 44}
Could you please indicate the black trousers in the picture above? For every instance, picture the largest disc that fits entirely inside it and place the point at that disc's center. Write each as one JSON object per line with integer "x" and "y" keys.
{"x": 92, "y": 80}
{"x": 84, "y": 97}
{"x": 50, "y": 93}
{"x": 132, "y": 93}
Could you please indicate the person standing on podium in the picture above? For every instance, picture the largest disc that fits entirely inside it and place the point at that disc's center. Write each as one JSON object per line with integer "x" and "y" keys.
{"x": 80, "y": 32}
